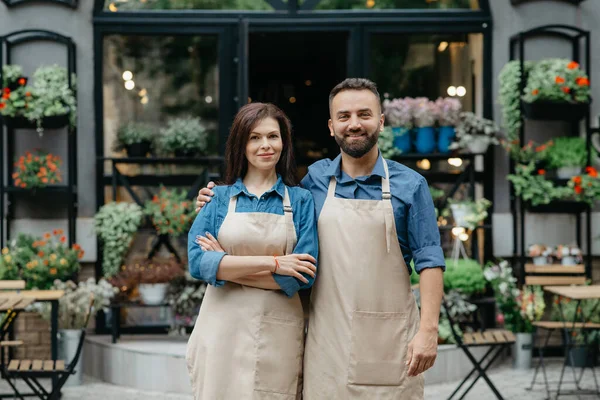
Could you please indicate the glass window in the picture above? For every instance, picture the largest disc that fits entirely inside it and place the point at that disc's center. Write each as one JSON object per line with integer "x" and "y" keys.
{"x": 133, "y": 5}
{"x": 396, "y": 4}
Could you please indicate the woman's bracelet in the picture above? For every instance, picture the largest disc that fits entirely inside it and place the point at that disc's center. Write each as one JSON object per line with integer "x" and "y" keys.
{"x": 276, "y": 264}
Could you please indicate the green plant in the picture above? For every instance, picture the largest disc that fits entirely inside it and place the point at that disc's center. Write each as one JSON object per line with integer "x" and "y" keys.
{"x": 10, "y": 74}
{"x": 532, "y": 186}
{"x": 50, "y": 95}
{"x": 465, "y": 276}
{"x": 37, "y": 170}
{"x": 586, "y": 187}
{"x": 133, "y": 133}
{"x": 185, "y": 295}
{"x": 171, "y": 212}
{"x": 558, "y": 80}
{"x": 474, "y": 211}
{"x": 386, "y": 143}
{"x": 509, "y": 96}
{"x": 187, "y": 135}
{"x": 470, "y": 126}
{"x": 567, "y": 152}
{"x": 531, "y": 152}
{"x": 73, "y": 307}
{"x": 589, "y": 308}
{"x": 116, "y": 225}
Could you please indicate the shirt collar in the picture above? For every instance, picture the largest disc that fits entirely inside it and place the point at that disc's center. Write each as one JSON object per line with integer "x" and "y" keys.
{"x": 239, "y": 187}
{"x": 335, "y": 169}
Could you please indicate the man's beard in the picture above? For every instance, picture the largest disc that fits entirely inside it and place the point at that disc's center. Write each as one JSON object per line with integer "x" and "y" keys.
{"x": 360, "y": 147}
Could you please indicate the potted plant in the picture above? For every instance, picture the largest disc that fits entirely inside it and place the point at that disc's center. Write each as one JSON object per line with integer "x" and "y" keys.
{"x": 116, "y": 225}
{"x": 540, "y": 253}
{"x": 49, "y": 104}
{"x": 510, "y": 95}
{"x": 386, "y": 143}
{"x": 154, "y": 277}
{"x": 518, "y": 308}
{"x": 568, "y": 254}
{"x": 37, "y": 170}
{"x": 557, "y": 89}
{"x": 399, "y": 115}
{"x": 185, "y": 295}
{"x": 448, "y": 110}
{"x": 467, "y": 213}
{"x": 586, "y": 187}
{"x": 475, "y": 133}
{"x": 424, "y": 115}
{"x": 12, "y": 77}
{"x": 532, "y": 186}
{"x": 73, "y": 308}
{"x": 584, "y": 354}
{"x": 568, "y": 155}
{"x": 464, "y": 275}
{"x": 185, "y": 137}
{"x": 135, "y": 138}
{"x": 171, "y": 212}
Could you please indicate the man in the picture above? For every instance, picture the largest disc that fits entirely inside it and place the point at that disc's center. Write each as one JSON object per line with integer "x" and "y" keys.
{"x": 365, "y": 337}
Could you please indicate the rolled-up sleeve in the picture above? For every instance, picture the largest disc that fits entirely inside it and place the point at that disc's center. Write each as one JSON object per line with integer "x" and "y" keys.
{"x": 203, "y": 265}
{"x": 423, "y": 231}
{"x": 308, "y": 243}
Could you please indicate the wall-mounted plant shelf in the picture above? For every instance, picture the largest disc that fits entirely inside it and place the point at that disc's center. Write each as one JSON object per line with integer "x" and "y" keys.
{"x": 14, "y": 3}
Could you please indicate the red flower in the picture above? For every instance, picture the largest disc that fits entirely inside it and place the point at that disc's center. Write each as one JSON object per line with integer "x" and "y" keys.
{"x": 540, "y": 148}
{"x": 573, "y": 65}
{"x": 566, "y": 89}
{"x": 578, "y": 189}
{"x": 63, "y": 239}
{"x": 541, "y": 172}
{"x": 535, "y": 92}
{"x": 2, "y": 105}
{"x": 40, "y": 254}
{"x": 559, "y": 80}
{"x": 591, "y": 171}
{"x": 577, "y": 180}
{"x": 27, "y": 94}
{"x": 6, "y": 96}
{"x": 6, "y": 90}
{"x": 22, "y": 81}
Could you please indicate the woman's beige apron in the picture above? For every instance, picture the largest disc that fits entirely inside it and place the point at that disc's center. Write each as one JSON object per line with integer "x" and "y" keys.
{"x": 363, "y": 313}
{"x": 247, "y": 342}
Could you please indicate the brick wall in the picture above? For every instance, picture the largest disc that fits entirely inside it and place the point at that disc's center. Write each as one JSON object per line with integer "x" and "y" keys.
{"x": 35, "y": 333}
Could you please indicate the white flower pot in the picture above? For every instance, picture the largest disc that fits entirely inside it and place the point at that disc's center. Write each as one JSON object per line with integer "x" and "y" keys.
{"x": 479, "y": 144}
{"x": 540, "y": 260}
{"x": 568, "y": 260}
{"x": 567, "y": 172}
{"x": 153, "y": 293}
{"x": 68, "y": 340}
{"x": 522, "y": 351}
{"x": 459, "y": 213}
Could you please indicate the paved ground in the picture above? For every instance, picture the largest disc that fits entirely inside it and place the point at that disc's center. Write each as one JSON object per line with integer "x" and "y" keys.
{"x": 511, "y": 383}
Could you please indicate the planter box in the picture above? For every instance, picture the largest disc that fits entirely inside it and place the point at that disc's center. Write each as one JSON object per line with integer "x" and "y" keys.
{"x": 555, "y": 111}
{"x": 54, "y": 122}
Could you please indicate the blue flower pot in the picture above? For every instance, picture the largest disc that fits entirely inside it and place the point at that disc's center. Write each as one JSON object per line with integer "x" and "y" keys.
{"x": 425, "y": 141}
{"x": 402, "y": 139}
{"x": 445, "y": 137}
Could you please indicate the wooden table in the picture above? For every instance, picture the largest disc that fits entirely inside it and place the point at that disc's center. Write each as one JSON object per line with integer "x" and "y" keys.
{"x": 578, "y": 294}
{"x": 33, "y": 296}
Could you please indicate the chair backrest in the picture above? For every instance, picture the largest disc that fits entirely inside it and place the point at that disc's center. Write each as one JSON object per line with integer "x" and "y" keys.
{"x": 12, "y": 284}
{"x": 73, "y": 362}
{"x": 554, "y": 275}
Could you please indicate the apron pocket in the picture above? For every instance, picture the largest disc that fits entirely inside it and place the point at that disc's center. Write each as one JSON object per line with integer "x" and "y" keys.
{"x": 279, "y": 357}
{"x": 374, "y": 361}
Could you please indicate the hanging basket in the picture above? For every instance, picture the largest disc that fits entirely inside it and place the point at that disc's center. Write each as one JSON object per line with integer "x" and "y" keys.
{"x": 555, "y": 111}
{"x": 53, "y": 122}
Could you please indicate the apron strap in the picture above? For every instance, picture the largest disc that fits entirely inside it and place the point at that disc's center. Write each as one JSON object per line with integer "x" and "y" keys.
{"x": 232, "y": 204}
{"x": 331, "y": 188}
{"x": 386, "y": 196}
{"x": 290, "y": 230}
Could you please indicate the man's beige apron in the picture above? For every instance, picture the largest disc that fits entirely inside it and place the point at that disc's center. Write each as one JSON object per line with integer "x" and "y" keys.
{"x": 247, "y": 342}
{"x": 363, "y": 313}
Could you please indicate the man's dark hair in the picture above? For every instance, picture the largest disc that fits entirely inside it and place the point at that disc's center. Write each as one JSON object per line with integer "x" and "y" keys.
{"x": 353, "y": 84}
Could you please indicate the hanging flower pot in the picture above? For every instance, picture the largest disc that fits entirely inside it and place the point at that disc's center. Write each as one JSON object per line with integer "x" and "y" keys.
{"x": 478, "y": 144}
{"x": 140, "y": 149}
{"x": 425, "y": 140}
{"x": 52, "y": 122}
{"x": 445, "y": 137}
{"x": 554, "y": 110}
{"x": 402, "y": 139}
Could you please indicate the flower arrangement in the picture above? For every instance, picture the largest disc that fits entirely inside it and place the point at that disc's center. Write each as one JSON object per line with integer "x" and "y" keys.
{"x": 171, "y": 212}
{"x": 40, "y": 261}
{"x": 185, "y": 136}
{"x": 133, "y": 133}
{"x": 471, "y": 127}
{"x": 568, "y": 254}
{"x": 74, "y": 305}
{"x": 385, "y": 142}
{"x": 557, "y": 80}
{"x": 424, "y": 112}
{"x": 531, "y": 152}
{"x": 466, "y": 213}
{"x": 185, "y": 295}
{"x": 566, "y": 152}
{"x": 49, "y": 96}
{"x": 399, "y": 112}
{"x": 586, "y": 187}
{"x": 116, "y": 225}
{"x": 448, "y": 111}
{"x": 37, "y": 170}
{"x": 519, "y": 308}
{"x": 541, "y": 251}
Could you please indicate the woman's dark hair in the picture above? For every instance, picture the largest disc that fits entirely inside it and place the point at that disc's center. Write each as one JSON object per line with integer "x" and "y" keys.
{"x": 246, "y": 119}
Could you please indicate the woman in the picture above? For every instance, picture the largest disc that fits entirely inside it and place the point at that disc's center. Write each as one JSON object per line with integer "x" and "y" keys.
{"x": 255, "y": 244}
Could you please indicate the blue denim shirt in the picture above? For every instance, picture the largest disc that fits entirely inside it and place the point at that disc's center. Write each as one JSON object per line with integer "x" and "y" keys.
{"x": 414, "y": 212}
{"x": 204, "y": 264}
